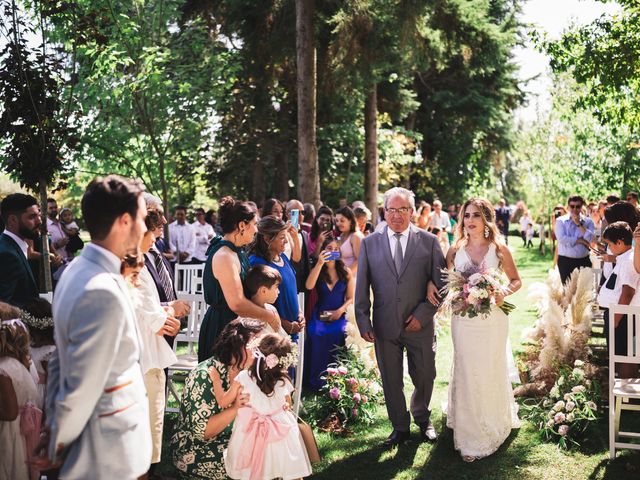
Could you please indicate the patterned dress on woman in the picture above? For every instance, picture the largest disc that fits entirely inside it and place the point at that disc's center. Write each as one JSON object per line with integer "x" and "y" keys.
{"x": 219, "y": 314}
{"x": 193, "y": 456}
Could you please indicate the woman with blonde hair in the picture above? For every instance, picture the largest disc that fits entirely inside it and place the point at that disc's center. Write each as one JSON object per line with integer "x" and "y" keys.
{"x": 481, "y": 409}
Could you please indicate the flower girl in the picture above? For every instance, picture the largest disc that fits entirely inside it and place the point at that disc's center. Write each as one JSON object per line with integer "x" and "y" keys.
{"x": 19, "y": 417}
{"x": 266, "y": 442}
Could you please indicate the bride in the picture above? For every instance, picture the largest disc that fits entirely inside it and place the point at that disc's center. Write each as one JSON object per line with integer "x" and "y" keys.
{"x": 481, "y": 409}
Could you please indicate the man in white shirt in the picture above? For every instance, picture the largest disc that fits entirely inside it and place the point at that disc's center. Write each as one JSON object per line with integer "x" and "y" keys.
{"x": 439, "y": 219}
{"x": 203, "y": 233}
{"x": 621, "y": 287}
{"x": 182, "y": 239}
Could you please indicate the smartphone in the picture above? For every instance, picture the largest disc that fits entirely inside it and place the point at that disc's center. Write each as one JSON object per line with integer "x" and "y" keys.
{"x": 332, "y": 256}
{"x": 295, "y": 218}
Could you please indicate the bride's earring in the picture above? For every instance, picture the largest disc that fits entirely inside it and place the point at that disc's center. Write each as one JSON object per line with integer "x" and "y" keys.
{"x": 486, "y": 231}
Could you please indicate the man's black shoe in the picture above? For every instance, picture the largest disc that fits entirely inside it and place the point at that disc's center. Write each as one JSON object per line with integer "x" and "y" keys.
{"x": 396, "y": 438}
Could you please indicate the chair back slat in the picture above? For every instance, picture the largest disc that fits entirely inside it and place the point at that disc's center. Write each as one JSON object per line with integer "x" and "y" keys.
{"x": 198, "y": 309}
{"x": 633, "y": 329}
{"x": 188, "y": 278}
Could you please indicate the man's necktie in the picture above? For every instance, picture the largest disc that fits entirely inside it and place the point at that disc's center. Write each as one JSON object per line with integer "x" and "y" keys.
{"x": 163, "y": 274}
{"x": 397, "y": 258}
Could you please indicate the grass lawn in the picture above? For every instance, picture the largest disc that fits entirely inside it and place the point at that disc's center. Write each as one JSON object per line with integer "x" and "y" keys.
{"x": 522, "y": 456}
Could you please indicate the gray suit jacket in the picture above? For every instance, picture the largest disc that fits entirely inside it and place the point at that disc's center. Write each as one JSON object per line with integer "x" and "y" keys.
{"x": 396, "y": 296}
{"x": 97, "y": 404}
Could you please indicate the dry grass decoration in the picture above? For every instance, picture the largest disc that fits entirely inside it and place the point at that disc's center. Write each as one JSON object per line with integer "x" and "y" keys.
{"x": 561, "y": 334}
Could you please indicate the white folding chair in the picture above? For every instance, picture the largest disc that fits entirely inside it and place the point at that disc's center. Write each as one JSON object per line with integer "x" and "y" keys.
{"x": 188, "y": 278}
{"x": 300, "y": 366}
{"x": 189, "y": 336}
{"x": 621, "y": 390}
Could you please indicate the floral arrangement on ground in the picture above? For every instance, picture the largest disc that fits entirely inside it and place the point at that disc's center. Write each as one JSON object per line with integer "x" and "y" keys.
{"x": 350, "y": 395}
{"x": 566, "y": 414}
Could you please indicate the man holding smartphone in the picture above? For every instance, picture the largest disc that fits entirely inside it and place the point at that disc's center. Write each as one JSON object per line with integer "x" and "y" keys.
{"x": 575, "y": 233}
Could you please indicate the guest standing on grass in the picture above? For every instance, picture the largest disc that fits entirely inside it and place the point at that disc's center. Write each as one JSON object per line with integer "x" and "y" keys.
{"x": 226, "y": 267}
{"x": 97, "y": 409}
{"x": 349, "y": 238}
{"x": 574, "y": 232}
{"x": 268, "y": 249}
{"x": 335, "y": 286}
{"x": 21, "y": 216}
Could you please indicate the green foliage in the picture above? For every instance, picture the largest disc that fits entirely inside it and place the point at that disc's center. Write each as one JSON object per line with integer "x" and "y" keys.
{"x": 351, "y": 393}
{"x": 570, "y": 410}
{"x": 33, "y": 121}
{"x": 567, "y": 151}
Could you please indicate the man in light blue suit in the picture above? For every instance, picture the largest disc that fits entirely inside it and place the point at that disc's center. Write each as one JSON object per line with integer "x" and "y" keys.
{"x": 97, "y": 409}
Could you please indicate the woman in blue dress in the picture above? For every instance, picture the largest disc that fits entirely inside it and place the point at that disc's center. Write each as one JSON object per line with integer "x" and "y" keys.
{"x": 335, "y": 286}
{"x": 224, "y": 272}
{"x": 268, "y": 249}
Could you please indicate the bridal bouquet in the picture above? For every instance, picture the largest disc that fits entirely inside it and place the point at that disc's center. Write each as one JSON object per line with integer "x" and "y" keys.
{"x": 473, "y": 292}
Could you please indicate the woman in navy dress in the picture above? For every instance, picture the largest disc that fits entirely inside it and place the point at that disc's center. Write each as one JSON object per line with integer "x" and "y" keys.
{"x": 335, "y": 286}
{"x": 268, "y": 249}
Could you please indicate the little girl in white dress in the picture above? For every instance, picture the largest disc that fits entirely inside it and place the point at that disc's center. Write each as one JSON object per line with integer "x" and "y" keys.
{"x": 266, "y": 441}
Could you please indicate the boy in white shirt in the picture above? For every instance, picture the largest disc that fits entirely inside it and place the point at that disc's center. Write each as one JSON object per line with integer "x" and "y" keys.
{"x": 621, "y": 287}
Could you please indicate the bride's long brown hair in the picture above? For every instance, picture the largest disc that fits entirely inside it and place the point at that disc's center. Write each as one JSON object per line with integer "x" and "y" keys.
{"x": 488, "y": 214}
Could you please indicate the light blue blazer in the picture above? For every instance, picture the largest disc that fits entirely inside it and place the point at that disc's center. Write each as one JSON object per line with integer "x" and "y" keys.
{"x": 97, "y": 405}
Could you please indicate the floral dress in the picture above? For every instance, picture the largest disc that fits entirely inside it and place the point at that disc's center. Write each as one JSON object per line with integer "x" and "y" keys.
{"x": 193, "y": 456}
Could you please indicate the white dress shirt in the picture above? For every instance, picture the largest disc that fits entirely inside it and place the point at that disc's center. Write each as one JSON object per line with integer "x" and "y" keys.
{"x": 21, "y": 243}
{"x": 440, "y": 221}
{"x": 403, "y": 241}
{"x": 156, "y": 352}
{"x": 182, "y": 238}
{"x": 204, "y": 234}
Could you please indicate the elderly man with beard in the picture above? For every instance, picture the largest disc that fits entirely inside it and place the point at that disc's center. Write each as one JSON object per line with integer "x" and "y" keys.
{"x": 21, "y": 216}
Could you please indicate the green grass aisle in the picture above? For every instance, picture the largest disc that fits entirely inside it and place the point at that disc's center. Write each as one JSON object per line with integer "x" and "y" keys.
{"x": 522, "y": 456}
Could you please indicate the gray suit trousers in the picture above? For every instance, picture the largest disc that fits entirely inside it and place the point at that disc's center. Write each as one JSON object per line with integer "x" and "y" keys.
{"x": 421, "y": 359}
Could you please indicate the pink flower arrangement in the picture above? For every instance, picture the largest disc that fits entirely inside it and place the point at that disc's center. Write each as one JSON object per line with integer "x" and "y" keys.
{"x": 332, "y": 371}
{"x": 335, "y": 393}
{"x": 342, "y": 370}
{"x": 473, "y": 292}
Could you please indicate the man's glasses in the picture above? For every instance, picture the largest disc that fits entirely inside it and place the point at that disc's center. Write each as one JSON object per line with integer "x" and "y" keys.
{"x": 393, "y": 211}
{"x": 575, "y": 206}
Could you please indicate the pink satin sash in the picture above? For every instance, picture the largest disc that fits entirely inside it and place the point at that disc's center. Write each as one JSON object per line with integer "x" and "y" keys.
{"x": 260, "y": 430}
{"x": 30, "y": 421}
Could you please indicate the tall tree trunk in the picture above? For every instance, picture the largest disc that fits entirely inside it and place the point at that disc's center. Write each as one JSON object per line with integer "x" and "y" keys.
{"x": 308, "y": 170}
{"x": 258, "y": 190}
{"x": 46, "y": 280}
{"x": 281, "y": 176}
{"x": 371, "y": 152}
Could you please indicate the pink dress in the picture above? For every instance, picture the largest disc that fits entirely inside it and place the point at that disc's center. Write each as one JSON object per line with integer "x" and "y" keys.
{"x": 266, "y": 441}
{"x": 346, "y": 252}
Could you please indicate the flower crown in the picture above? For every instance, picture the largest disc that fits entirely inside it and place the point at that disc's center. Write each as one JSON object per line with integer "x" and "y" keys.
{"x": 35, "y": 322}
{"x": 272, "y": 360}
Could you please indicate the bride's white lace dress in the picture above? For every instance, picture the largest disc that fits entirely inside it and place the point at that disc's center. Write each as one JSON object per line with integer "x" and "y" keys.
{"x": 481, "y": 409}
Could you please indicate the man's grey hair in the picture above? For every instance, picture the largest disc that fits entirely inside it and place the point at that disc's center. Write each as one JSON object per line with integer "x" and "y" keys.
{"x": 437, "y": 202}
{"x": 400, "y": 192}
{"x": 293, "y": 204}
{"x": 151, "y": 200}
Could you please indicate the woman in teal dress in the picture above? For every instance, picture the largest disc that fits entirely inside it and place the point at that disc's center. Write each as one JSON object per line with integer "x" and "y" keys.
{"x": 204, "y": 427}
{"x": 225, "y": 269}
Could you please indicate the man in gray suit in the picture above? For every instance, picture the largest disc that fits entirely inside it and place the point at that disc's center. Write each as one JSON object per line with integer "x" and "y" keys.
{"x": 397, "y": 263}
{"x": 97, "y": 410}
